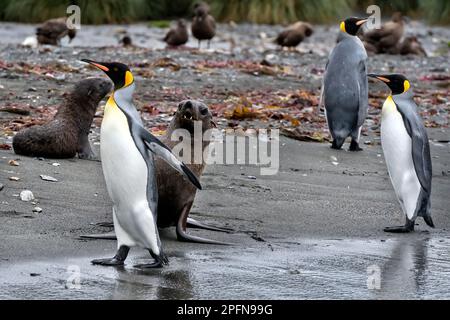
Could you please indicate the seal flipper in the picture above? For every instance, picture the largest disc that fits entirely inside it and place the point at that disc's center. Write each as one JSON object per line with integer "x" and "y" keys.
{"x": 185, "y": 237}
{"x": 200, "y": 225}
{"x": 117, "y": 260}
{"x": 161, "y": 150}
{"x": 408, "y": 227}
{"x": 103, "y": 236}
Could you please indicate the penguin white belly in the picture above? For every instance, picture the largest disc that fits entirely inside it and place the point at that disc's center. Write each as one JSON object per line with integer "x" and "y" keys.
{"x": 125, "y": 172}
{"x": 397, "y": 149}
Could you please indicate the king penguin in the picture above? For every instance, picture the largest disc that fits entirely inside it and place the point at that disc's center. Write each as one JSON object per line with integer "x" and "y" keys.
{"x": 344, "y": 89}
{"x": 406, "y": 150}
{"x": 126, "y": 150}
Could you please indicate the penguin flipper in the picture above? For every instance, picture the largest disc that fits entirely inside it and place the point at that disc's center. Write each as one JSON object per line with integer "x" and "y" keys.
{"x": 420, "y": 145}
{"x": 161, "y": 150}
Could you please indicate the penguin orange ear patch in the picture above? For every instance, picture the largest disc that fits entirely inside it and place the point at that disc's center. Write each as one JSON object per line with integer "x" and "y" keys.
{"x": 128, "y": 78}
{"x": 406, "y": 85}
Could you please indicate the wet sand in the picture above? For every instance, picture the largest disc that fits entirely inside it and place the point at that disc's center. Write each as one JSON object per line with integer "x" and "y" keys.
{"x": 311, "y": 231}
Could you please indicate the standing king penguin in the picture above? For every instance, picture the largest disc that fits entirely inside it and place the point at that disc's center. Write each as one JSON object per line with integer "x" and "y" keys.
{"x": 344, "y": 89}
{"x": 407, "y": 152}
{"x": 127, "y": 150}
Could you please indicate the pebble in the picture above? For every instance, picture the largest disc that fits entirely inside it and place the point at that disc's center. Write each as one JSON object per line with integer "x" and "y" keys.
{"x": 1, "y": 186}
{"x": 13, "y": 163}
{"x": 251, "y": 177}
{"x": 26, "y": 195}
{"x": 48, "y": 178}
{"x": 37, "y": 209}
{"x": 14, "y": 178}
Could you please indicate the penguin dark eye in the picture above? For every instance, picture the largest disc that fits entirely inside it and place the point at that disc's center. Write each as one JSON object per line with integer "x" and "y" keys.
{"x": 115, "y": 69}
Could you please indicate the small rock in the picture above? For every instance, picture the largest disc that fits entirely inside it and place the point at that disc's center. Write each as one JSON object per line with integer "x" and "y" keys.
{"x": 33, "y": 274}
{"x": 1, "y": 186}
{"x": 37, "y": 210}
{"x": 251, "y": 177}
{"x": 14, "y": 178}
{"x": 56, "y": 164}
{"x": 26, "y": 195}
{"x": 13, "y": 163}
{"x": 48, "y": 178}
{"x": 335, "y": 163}
{"x": 333, "y": 159}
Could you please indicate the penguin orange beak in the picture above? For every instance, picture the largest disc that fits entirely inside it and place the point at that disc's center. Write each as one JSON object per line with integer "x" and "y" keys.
{"x": 360, "y": 22}
{"x": 385, "y": 80}
{"x": 96, "y": 64}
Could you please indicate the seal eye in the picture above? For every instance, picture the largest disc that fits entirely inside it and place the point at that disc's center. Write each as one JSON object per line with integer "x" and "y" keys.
{"x": 203, "y": 111}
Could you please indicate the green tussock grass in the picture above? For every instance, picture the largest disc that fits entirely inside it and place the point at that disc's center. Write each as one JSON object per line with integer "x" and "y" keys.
{"x": 159, "y": 23}
{"x": 256, "y": 11}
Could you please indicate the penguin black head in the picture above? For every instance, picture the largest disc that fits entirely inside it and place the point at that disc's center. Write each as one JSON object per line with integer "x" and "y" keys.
{"x": 118, "y": 72}
{"x": 352, "y": 25}
{"x": 396, "y": 82}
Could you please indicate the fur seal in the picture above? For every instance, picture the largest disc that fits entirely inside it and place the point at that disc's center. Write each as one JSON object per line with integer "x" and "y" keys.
{"x": 67, "y": 134}
{"x": 411, "y": 45}
{"x": 293, "y": 35}
{"x": 177, "y": 35}
{"x": 176, "y": 196}
{"x": 53, "y": 30}
{"x": 387, "y": 38}
{"x": 203, "y": 25}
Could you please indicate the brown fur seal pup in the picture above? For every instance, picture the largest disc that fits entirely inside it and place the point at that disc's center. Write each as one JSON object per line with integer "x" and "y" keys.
{"x": 53, "y": 30}
{"x": 203, "y": 25}
{"x": 388, "y": 36}
{"x": 411, "y": 45}
{"x": 177, "y": 35}
{"x": 67, "y": 134}
{"x": 294, "y": 34}
{"x": 176, "y": 196}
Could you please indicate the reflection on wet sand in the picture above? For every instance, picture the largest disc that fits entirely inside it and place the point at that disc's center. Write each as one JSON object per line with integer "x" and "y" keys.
{"x": 405, "y": 272}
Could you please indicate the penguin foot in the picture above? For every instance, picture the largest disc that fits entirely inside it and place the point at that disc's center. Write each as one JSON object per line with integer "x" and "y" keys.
{"x": 354, "y": 146}
{"x": 408, "y": 227}
{"x": 399, "y": 229}
{"x": 161, "y": 260}
{"x": 192, "y": 223}
{"x": 118, "y": 259}
{"x": 335, "y": 147}
{"x": 154, "y": 265}
{"x": 107, "y": 262}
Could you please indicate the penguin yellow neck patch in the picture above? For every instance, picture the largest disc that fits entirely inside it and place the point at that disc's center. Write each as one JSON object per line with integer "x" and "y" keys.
{"x": 406, "y": 85}
{"x": 343, "y": 26}
{"x": 389, "y": 105}
{"x": 128, "y": 78}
